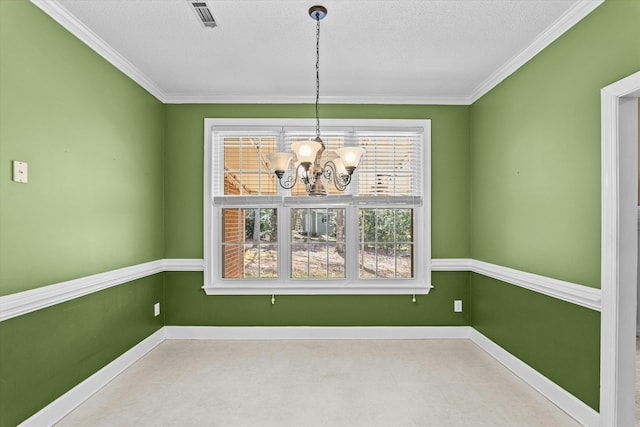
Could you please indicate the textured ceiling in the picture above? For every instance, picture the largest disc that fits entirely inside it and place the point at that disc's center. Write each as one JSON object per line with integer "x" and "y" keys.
{"x": 264, "y": 50}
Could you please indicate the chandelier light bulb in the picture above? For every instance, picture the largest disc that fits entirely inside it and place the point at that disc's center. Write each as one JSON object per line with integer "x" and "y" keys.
{"x": 305, "y": 151}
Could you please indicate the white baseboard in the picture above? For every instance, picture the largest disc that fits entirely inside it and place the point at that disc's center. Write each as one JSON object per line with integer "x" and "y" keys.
{"x": 316, "y": 332}
{"x": 56, "y": 410}
{"x": 570, "y": 404}
{"x": 66, "y": 403}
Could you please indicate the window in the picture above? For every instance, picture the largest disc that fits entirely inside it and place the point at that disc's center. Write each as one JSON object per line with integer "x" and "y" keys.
{"x": 374, "y": 238}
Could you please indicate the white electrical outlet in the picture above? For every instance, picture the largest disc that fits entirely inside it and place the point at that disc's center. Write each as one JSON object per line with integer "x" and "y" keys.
{"x": 156, "y": 309}
{"x": 457, "y": 306}
{"x": 20, "y": 171}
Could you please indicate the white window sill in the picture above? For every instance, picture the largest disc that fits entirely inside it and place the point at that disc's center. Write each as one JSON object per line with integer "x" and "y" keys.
{"x": 310, "y": 289}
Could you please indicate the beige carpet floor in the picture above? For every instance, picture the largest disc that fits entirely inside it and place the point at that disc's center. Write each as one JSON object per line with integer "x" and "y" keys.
{"x": 317, "y": 383}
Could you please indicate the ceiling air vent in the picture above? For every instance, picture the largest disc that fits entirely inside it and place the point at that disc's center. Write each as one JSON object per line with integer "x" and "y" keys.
{"x": 204, "y": 13}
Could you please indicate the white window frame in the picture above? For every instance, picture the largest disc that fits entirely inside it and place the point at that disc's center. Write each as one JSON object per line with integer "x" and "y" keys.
{"x": 214, "y": 284}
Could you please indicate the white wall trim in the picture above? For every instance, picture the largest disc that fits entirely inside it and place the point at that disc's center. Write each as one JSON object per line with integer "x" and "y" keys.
{"x": 316, "y": 289}
{"x": 451, "y": 264}
{"x": 571, "y": 292}
{"x": 556, "y": 394}
{"x": 56, "y": 410}
{"x": 567, "y": 291}
{"x": 183, "y": 264}
{"x": 316, "y": 332}
{"x": 570, "y": 18}
{"x": 61, "y": 15}
{"x": 412, "y": 100}
{"x": 20, "y": 303}
{"x": 617, "y": 341}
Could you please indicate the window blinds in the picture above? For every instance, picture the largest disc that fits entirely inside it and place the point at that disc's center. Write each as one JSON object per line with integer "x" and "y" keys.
{"x": 389, "y": 172}
{"x": 391, "y": 165}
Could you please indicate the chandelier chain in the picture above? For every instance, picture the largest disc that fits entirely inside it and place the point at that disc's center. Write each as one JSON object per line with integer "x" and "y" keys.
{"x": 317, "y": 74}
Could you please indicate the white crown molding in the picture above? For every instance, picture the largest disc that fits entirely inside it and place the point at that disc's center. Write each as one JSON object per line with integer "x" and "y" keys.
{"x": 63, "y": 405}
{"x": 20, "y": 303}
{"x": 389, "y": 100}
{"x": 316, "y": 332}
{"x": 573, "y": 406}
{"x": 61, "y": 15}
{"x": 566, "y": 291}
{"x": 570, "y": 18}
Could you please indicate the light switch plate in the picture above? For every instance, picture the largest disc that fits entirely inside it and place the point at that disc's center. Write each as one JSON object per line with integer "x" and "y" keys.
{"x": 20, "y": 172}
{"x": 156, "y": 309}
{"x": 457, "y": 306}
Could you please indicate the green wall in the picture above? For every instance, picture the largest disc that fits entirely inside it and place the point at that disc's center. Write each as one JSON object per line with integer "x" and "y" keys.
{"x": 535, "y": 190}
{"x": 186, "y": 305}
{"x": 183, "y": 224}
{"x": 535, "y": 181}
{"x": 94, "y": 142}
{"x": 45, "y": 353}
{"x": 559, "y": 339}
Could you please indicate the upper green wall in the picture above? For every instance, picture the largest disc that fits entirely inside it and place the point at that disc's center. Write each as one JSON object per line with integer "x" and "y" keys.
{"x": 535, "y": 144}
{"x": 93, "y": 140}
{"x": 184, "y": 167}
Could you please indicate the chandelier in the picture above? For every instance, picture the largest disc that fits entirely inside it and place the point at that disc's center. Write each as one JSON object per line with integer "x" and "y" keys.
{"x": 308, "y": 167}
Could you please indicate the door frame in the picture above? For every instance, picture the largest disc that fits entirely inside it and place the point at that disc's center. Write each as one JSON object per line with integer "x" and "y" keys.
{"x": 619, "y": 250}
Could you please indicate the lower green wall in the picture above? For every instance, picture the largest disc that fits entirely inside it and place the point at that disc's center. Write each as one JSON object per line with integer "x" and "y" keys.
{"x": 559, "y": 339}
{"x": 47, "y": 352}
{"x": 187, "y": 305}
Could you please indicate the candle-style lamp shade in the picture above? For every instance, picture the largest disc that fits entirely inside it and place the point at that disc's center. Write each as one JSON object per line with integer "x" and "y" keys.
{"x": 340, "y": 169}
{"x": 279, "y": 162}
{"x": 350, "y": 157}
{"x": 306, "y": 151}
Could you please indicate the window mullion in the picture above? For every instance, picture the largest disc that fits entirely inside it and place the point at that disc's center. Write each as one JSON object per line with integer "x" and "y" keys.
{"x": 308, "y": 221}
{"x": 284, "y": 244}
{"x": 352, "y": 252}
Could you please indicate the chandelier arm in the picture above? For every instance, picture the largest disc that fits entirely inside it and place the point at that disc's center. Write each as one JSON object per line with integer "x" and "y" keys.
{"x": 289, "y": 182}
{"x": 330, "y": 172}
